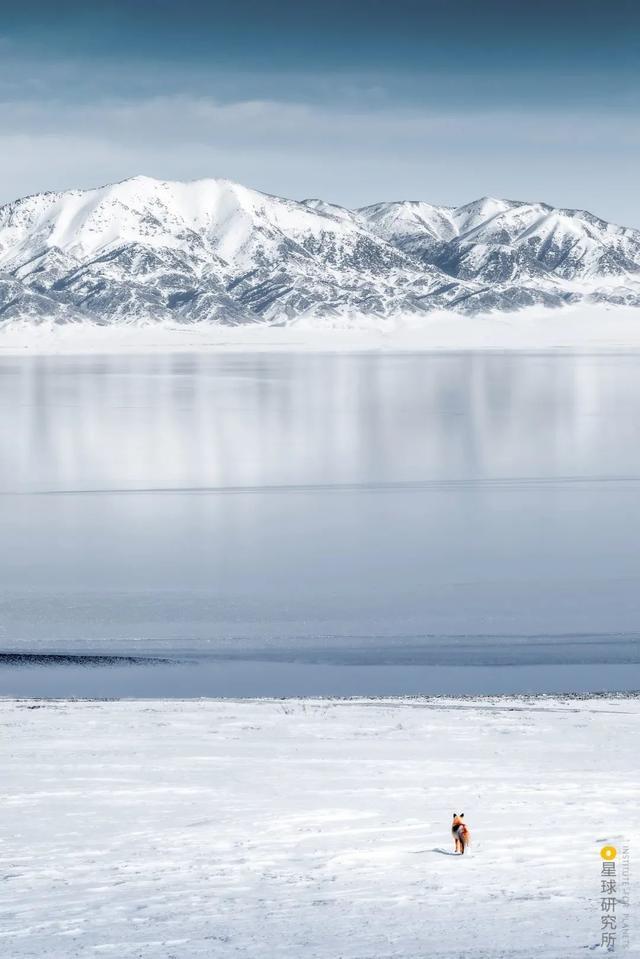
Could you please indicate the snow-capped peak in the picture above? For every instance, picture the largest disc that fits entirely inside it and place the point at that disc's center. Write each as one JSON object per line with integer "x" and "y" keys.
{"x": 144, "y": 248}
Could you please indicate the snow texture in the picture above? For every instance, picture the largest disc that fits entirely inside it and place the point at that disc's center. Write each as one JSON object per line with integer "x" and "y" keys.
{"x": 152, "y": 251}
{"x": 174, "y": 829}
{"x": 575, "y": 328}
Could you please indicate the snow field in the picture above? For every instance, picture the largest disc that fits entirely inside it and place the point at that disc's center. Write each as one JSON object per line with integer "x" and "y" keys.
{"x": 295, "y": 828}
{"x": 581, "y": 329}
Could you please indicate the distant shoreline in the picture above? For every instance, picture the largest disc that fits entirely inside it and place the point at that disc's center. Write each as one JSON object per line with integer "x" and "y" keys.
{"x": 573, "y": 329}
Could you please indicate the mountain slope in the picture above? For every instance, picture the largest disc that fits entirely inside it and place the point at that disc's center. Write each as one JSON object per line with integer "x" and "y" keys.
{"x": 499, "y": 240}
{"x": 146, "y": 250}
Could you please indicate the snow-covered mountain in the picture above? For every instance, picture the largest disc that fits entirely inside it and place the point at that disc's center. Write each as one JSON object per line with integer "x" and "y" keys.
{"x": 149, "y": 250}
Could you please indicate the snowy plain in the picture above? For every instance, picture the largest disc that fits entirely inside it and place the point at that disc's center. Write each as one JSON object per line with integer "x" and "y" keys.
{"x": 219, "y": 828}
{"x": 582, "y": 328}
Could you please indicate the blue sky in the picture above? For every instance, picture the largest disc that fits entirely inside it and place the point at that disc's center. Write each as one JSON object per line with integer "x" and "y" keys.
{"x": 353, "y": 101}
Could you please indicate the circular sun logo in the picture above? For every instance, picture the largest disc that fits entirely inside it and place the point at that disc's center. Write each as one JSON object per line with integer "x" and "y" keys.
{"x": 609, "y": 852}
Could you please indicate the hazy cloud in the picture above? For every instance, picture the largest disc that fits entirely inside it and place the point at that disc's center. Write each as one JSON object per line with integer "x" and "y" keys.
{"x": 350, "y": 155}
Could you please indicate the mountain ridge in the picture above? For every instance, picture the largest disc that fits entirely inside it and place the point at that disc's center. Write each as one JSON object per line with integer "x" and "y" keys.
{"x": 147, "y": 250}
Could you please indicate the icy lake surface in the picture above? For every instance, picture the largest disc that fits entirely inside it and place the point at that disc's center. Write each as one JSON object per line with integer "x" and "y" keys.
{"x": 302, "y": 524}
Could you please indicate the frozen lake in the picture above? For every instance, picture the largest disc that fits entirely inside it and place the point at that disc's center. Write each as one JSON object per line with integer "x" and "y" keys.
{"x": 302, "y": 524}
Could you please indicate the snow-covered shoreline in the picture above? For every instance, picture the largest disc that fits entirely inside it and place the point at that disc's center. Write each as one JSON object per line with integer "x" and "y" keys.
{"x": 212, "y": 828}
{"x": 579, "y": 328}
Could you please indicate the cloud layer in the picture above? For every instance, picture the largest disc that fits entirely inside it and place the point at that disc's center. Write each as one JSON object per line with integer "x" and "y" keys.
{"x": 353, "y": 154}
{"x": 357, "y": 103}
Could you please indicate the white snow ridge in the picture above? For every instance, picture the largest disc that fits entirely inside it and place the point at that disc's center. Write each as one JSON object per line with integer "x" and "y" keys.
{"x": 148, "y": 251}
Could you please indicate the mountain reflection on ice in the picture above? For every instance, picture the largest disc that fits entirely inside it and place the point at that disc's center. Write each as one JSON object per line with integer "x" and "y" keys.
{"x": 338, "y": 503}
